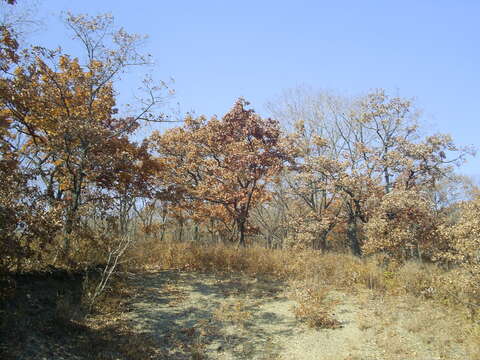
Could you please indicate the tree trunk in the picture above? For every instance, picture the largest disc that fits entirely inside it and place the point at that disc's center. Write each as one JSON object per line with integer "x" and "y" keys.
{"x": 352, "y": 235}
{"x": 180, "y": 230}
{"x": 69, "y": 225}
{"x": 320, "y": 242}
{"x": 195, "y": 233}
{"x": 241, "y": 230}
{"x": 67, "y": 232}
{"x": 269, "y": 240}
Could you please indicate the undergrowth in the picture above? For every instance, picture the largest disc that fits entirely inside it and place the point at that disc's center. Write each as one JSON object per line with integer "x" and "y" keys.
{"x": 339, "y": 270}
{"x": 315, "y": 308}
{"x": 318, "y": 275}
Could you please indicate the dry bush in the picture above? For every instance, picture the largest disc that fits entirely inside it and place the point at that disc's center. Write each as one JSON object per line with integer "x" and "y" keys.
{"x": 402, "y": 226}
{"x": 328, "y": 268}
{"x": 315, "y": 308}
{"x": 431, "y": 282}
{"x": 27, "y": 223}
{"x": 417, "y": 279}
{"x": 464, "y": 239}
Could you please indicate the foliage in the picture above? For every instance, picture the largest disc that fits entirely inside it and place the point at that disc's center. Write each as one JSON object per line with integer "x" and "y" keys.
{"x": 464, "y": 237}
{"x": 80, "y": 190}
{"x": 219, "y": 169}
{"x": 403, "y": 225}
{"x": 27, "y": 224}
{"x": 464, "y": 251}
{"x": 59, "y": 119}
{"x": 352, "y": 153}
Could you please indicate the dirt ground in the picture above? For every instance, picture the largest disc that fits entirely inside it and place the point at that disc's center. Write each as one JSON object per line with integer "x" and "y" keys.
{"x": 186, "y": 315}
{"x": 204, "y": 316}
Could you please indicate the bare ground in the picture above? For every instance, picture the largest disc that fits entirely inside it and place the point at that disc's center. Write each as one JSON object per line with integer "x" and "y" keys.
{"x": 206, "y": 316}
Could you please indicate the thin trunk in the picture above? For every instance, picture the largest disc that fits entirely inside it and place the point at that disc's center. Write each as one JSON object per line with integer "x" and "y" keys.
{"x": 269, "y": 240}
{"x": 180, "y": 231}
{"x": 320, "y": 241}
{"x": 352, "y": 235}
{"x": 164, "y": 225}
{"x": 241, "y": 230}
{"x": 196, "y": 233}
{"x": 70, "y": 223}
{"x": 386, "y": 174}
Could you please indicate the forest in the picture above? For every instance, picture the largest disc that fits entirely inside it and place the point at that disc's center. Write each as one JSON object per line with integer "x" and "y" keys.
{"x": 352, "y": 190}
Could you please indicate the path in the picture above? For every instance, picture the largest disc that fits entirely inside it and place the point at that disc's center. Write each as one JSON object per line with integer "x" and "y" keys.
{"x": 217, "y": 317}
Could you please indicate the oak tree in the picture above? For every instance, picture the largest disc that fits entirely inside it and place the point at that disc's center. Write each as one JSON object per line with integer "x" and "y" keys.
{"x": 221, "y": 167}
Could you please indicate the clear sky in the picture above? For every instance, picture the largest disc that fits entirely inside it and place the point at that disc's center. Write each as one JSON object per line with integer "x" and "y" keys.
{"x": 219, "y": 50}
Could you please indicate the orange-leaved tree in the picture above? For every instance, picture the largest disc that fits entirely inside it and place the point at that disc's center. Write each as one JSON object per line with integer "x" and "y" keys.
{"x": 64, "y": 118}
{"x": 26, "y": 223}
{"x": 226, "y": 163}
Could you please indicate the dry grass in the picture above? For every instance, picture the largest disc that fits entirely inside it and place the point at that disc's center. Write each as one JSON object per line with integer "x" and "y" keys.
{"x": 342, "y": 271}
{"x": 318, "y": 272}
{"x": 339, "y": 269}
{"x": 234, "y": 312}
{"x": 408, "y": 287}
{"x": 216, "y": 258}
{"x": 410, "y": 327}
{"x": 315, "y": 308}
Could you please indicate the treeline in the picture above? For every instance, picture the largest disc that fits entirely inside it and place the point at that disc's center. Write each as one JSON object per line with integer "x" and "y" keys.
{"x": 331, "y": 173}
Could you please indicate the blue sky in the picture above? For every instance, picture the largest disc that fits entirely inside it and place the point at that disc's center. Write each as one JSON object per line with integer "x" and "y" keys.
{"x": 219, "y": 50}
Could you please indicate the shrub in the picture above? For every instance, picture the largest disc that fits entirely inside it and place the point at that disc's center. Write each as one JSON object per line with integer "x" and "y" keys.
{"x": 464, "y": 251}
{"x": 315, "y": 308}
{"x": 404, "y": 225}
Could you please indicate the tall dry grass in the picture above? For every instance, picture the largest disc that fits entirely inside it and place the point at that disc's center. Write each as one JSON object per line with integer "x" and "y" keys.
{"x": 316, "y": 277}
{"x": 340, "y": 270}
{"x": 328, "y": 268}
